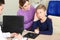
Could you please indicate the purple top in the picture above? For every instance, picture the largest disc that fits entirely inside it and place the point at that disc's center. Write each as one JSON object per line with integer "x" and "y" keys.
{"x": 28, "y": 16}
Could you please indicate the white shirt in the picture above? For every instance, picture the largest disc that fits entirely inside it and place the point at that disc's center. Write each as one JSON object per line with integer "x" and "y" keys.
{"x": 4, "y": 35}
{"x": 1, "y": 35}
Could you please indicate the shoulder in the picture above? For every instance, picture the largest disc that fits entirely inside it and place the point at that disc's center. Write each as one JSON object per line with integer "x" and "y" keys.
{"x": 19, "y": 10}
{"x": 36, "y": 21}
{"x": 49, "y": 19}
{"x": 31, "y": 7}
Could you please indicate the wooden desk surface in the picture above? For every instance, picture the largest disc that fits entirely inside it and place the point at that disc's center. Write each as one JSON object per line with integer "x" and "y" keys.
{"x": 43, "y": 37}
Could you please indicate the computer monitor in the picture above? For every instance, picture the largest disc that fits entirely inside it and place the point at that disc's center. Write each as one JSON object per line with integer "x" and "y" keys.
{"x": 13, "y": 24}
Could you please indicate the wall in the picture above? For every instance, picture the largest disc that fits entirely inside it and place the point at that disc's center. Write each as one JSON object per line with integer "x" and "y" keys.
{"x": 37, "y": 2}
{"x": 10, "y": 8}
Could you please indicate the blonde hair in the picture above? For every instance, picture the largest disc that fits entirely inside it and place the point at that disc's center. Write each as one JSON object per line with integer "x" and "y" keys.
{"x": 41, "y": 6}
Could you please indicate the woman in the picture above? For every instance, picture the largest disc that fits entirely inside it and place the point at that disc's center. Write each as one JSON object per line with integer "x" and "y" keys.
{"x": 27, "y": 11}
{"x": 1, "y": 5}
{"x": 1, "y": 8}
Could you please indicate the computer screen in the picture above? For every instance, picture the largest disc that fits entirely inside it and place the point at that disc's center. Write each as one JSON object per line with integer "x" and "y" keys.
{"x": 13, "y": 24}
{"x": 53, "y": 8}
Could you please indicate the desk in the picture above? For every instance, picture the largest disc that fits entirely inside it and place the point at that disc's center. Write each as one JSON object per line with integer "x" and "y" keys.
{"x": 55, "y": 36}
{"x": 43, "y": 37}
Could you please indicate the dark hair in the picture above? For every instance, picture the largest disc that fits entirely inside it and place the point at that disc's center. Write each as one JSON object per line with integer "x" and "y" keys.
{"x": 22, "y": 2}
{"x": 41, "y": 6}
{"x": 2, "y": 2}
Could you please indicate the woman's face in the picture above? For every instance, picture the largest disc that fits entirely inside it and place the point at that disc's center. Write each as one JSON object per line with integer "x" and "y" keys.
{"x": 41, "y": 13}
{"x": 26, "y": 6}
{"x": 1, "y": 8}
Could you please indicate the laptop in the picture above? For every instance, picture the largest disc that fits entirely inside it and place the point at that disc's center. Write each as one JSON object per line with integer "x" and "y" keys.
{"x": 13, "y": 24}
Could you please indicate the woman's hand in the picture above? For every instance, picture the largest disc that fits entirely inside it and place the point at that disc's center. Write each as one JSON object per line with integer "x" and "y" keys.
{"x": 13, "y": 35}
{"x": 18, "y": 36}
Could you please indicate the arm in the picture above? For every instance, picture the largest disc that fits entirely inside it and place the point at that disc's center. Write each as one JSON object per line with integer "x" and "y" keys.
{"x": 35, "y": 17}
{"x": 1, "y": 35}
{"x": 34, "y": 26}
{"x": 50, "y": 29}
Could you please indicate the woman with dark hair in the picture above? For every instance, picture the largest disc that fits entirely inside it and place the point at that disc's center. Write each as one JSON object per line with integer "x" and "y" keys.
{"x": 1, "y": 5}
{"x": 26, "y": 10}
{"x": 1, "y": 8}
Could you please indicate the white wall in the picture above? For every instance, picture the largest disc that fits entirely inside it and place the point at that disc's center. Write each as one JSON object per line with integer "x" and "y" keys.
{"x": 10, "y": 8}
{"x": 35, "y": 3}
